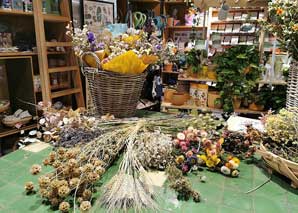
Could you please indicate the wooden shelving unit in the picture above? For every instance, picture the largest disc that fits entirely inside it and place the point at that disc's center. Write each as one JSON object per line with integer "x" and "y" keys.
{"x": 15, "y": 13}
{"x": 7, "y": 54}
{"x": 4, "y": 132}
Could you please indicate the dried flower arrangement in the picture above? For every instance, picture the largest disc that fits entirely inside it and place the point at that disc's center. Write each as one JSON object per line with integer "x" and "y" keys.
{"x": 196, "y": 148}
{"x": 242, "y": 145}
{"x": 281, "y": 135}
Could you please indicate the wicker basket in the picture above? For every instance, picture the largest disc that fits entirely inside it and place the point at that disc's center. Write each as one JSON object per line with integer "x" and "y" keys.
{"x": 292, "y": 90}
{"x": 22, "y": 122}
{"x": 114, "y": 93}
{"x": 5, "y": 107}
{"x": 281, "y": 165}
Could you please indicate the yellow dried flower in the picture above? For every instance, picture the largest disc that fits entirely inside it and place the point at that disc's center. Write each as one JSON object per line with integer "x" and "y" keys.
{"x": 63, "y": 191}
{"x": 85, "y": 206}
{"x": 64, "y": 206}
{"x": 35, "y": 169}
{"x": 29, "y": 186}
{"x": 87, "y": 194}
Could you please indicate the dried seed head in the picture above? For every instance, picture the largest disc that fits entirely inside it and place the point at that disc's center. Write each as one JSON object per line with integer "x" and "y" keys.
{"x": 61, "y": 151}
{"x": 29, "y": 187}
{"x": 55, "y": 184}
{"x": 98, "y": 163}
{"x": 54, "y": 202}
{"x": 87, "y": 194}
{"x": 88, "y": 167}
{"x": 92, "y": 177}
{"x": 35, "y": 169}
{"x": 100, "y": 170}
{"x": 76, "y": 172}
{"x": 64, "y": 206}
{"x": 62, "y": 183}
{"x": 43, "y": 181}
{"x": 85, "y": 206}
{"x": 74, "y": 182}
{"x": 63, "y": 191}
{"x": 52, "y": 156}
{"x": 57, "y": 164}
{"x": 72, "y": 163}
{"x": 46, "y": 162}
{"x": 43, "y": 193}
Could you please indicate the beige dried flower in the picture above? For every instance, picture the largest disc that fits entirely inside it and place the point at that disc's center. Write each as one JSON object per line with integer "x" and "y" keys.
{"x": 63, "y": 191}
{"x": 76, "y": 172}
{"x": 80, "y": 200}
{"x": 72, "y": 163}
{"x": 55, "y": 184}
{"x": 100, "y": 170}
{"x": 54, "y": 202}
{"x": 29, "y": 186}
{"x": 88, "y": 167}
{"x": 61, "y": 151}
{"x": 92, "y": 177}
{"x": 87, "y": 194}
{"x": 74, "y": 182}
{"x": 35, "y": 169}
{"x": 64, "y": 206}
{"x": 46, "y": 162}
{"x": 85, "y": 206}
{"x": 62, "y": 183}
{"x": 44, "y": 193}
{"x": 52, "y": 156}
{"x": 57, "y": 164}
{"x": 98, "y": 163}
{"x": 65, "y": 170}
{"x": 43, "y": 181}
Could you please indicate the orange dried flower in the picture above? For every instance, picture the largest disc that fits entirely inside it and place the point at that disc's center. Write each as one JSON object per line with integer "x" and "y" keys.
{"x": 279, "y": 11}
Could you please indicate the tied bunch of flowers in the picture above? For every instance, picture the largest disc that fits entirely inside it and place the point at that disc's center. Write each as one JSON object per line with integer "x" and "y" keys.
{"x": 283, "y": 22}
{"x": 199, "y": 148}
{"x": 128, "y": 53}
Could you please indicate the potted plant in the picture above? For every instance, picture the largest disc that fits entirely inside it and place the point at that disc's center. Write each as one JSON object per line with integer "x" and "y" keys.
{"x": 283, "y": 22}
{"x": 193, "y": 60}
{"x": 257, "y": 101}
{"x": 237, "y": 73}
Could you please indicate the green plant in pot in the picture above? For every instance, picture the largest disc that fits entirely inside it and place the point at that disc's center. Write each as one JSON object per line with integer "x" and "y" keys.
{"x": 237, "y": 74}
{"x": 257, "y": 100}
{"x": 193, "y": 60}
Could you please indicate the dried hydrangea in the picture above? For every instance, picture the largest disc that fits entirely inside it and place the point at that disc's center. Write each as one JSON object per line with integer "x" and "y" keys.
{"x": 35, "y": 169}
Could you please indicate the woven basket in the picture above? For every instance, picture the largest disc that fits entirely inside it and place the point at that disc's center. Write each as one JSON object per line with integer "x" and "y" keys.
{"x": 5, "y": 107}
{"x": 281, "y": 165}
{"x": 22, "y": 121}
{"x": 112, "y": 93}
{"x": 292, "y": 90}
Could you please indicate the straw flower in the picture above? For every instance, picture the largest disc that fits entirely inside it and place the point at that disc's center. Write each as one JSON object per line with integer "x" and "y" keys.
{"x": 279, "y": 11}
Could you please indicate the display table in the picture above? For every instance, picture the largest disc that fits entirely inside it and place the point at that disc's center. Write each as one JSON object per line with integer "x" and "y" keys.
{"x": 219, "y": 193}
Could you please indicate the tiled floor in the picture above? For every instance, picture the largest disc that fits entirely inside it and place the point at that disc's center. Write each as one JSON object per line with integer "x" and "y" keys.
{"x": 219, "y": 194}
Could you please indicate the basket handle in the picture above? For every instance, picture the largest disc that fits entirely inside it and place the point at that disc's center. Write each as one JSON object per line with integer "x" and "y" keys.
{"x": 82, "y": 64}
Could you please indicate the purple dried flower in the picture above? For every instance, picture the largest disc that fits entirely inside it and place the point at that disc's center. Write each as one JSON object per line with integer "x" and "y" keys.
{"x": 185, "y": 168}
{"x": 101, "y": 45}
{"x": 158, "y": 47}
{"x": 91, "y": 37}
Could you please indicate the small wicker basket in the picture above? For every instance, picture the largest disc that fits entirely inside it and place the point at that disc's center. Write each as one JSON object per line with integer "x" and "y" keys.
{"x": 4, "y": 107}
{"x": 113, "y": 93}
{"x": 13, "y": 123}
{"x": 281, "y": 165}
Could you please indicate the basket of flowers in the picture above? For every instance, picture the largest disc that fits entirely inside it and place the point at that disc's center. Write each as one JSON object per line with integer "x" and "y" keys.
{"x": 279, "y": 148}
{"x": 115, "y": 68}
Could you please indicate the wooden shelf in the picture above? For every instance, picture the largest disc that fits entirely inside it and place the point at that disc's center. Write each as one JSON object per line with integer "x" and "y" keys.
{"x": 184, "y": 27}
{"x": 166, "y": 105}
{"x": 233, "y": 21}
{"x": 177, "y": 2}
{"x": 243, "y": 10}
{"x": 6, "y": 131}
{"x": 281, "y": 82}
{"x": 171, "y": 72}
{"x": 6, "y": 54}
{"x": 57, "y": 87}
{"x": 62, "y": 69}
{"x": 145, "y": 1}
{"x": 234, "y": 33}
{"x": 56, "y": 53}
{"x": 59, "y": 44}
{"x": 15, "y": 12}
{"x": 197, "y": 79}
{"x": 55, "y": 18}
{"x": 65, "y": 92}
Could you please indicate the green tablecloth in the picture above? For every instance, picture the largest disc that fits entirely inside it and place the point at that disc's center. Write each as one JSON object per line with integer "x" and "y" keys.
{"x": 219, "y": 193}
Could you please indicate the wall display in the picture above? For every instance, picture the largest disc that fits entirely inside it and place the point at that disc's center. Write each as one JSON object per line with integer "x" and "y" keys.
{"x": 97, "y": 14}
